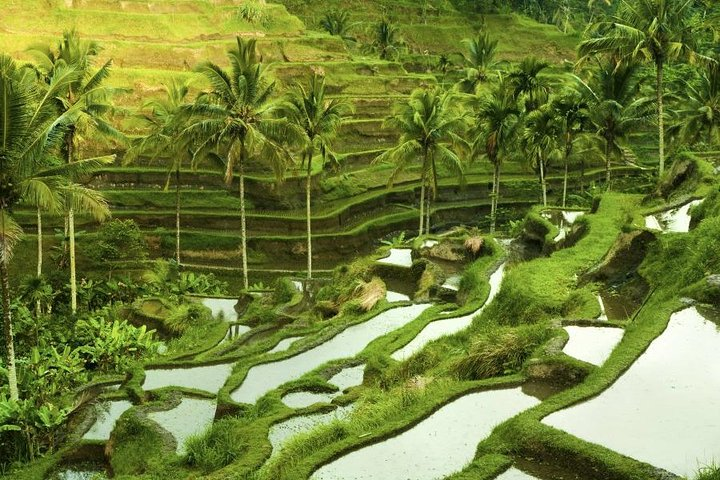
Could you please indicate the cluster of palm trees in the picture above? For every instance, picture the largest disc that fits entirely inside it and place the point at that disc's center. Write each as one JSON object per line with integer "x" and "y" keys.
{"x": 237, "y": 120}
{"x": 522, "y": 113}
{"x": 44, "y": 110}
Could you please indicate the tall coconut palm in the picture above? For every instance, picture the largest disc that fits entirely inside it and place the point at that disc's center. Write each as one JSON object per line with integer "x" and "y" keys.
{"x": 167, "y": 121}
{"x": 699, "y": 112}
{"x": 30, "y": 131}
{"x": 496, "y": 115}
{"x": 541, "y": 142}
{"x": 616, "y": 107}
{"x": 431, "y": 122}
{"x": 318, "y": 119}
{"x": 235, "y": 119}
{"x": 88, "y": 97}
{"x": 527, "y": 84}
{"x": 479, "y": 61}
{"x": 570, "y": 109}
{"x": 386, "y": 41}
{"x": 655, "y": 31}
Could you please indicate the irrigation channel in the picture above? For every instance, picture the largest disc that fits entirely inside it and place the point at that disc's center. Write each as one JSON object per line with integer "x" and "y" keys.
{"x": 677, "y": 431}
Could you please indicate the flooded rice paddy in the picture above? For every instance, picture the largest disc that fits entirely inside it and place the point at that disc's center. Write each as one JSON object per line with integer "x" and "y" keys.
{"x": 663, "y": 410}
{"x": 107, "y": 415}
{"x": 453, "y": 433}
{"x": 191, "y": 417}
{"x": 208, "y": 378}
{"x": 348, "y": 343}
{"x": 592, "y": 344}
{"x": 675, "y": 220}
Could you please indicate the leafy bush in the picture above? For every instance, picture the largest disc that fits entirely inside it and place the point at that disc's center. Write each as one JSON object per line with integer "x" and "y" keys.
{"x": 284, "y": 291}
{"x": 253, "y": 12}
{"x": 185, "y": 316}
{"x": 112, "y": 346}
{"x": 500, "y": 351}
{"x": 217, "y": 447}
{"x": 118, "y": 240}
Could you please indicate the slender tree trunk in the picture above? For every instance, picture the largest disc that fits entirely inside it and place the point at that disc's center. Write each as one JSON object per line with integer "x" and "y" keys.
{"x": 495, "y": 195}
{"x": 607, "y": 165}
{"x": 73, "y": 278}
{"x": 422, "y": 203}
{"x": 243, "y": 228}
{"x": 308, "y": 185}
{"x": 542, "y": 181}
{"x": 568, "y": 150}
{"x": 661, "y": 120}
{"x": 7, "y": 329}
{"x": 427, "y": 209}
{"x": 177, "y": 213}
{"x": 38, "y": 306}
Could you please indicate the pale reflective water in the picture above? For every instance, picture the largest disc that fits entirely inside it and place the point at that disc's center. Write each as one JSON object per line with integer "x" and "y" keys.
{"x": 222, "y": 308}
{"x": 265, "y": 377}
{"x": 453, "y": 282}
{"x": 348, "y": 377}
{"x": 79, "y": 474}
{"x": 592, "y": 344}
{"x": 664, "y": 409}
{"x": 675, "y": 220}
{"x": 448, "y": 326}
{"x": 305, "y": 399}
{"x": 281, "y": 433}
{"x": 284, "y": 344}
{"x": 401, "y": 257}
{"x": 209, "y": 378}
{"x": 438, "y": 446}
{"x": 396, "y": 297}
{"x": 107, "y": 415}
{"x": 191, "y": 417}
{"x": 514, "y": 474}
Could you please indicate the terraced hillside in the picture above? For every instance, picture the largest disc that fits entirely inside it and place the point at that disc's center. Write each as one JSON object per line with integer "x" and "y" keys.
{"x": 155, "y": 43}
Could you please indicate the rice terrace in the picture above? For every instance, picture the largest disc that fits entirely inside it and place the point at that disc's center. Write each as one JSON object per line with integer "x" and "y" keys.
{"x": 360, "y": 240}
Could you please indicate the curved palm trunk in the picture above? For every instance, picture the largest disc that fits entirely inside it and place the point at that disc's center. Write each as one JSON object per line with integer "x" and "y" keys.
{"x": 568, "y": 150}
{"x": 427, "y": 208}
{"x": 177, "y": 213}
{"x": 8, "y": 331}
{"x": 495, "y": 195}
{"x": 607, "y": 164}
{"x": 73, "y": 278}
{"x": 38, "y": 306}
{"x": 422, "y": 203}
{"x": 243, "y": 229}
{"x": 308, "y": 185}
{"x": 542, "y": 181}
{"x": 661, "y": 121}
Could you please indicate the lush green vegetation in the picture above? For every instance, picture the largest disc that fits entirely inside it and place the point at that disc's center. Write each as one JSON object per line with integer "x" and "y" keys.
{"x": 304, "y": 141}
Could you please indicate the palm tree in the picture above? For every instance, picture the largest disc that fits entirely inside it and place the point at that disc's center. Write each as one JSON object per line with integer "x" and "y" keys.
{"x": 479, "y": 60}
{"x": 235, "y": 120}
{"x": 496, "y": 120}
{"x": 88, "y": 98}
{"x": 528, "y": 85}
{"x": 167, "y": 121}
{"x": 319, "y": 120}
{"x": 570, "y": 109}
{"x": 30, "y": 131}
{"x": 386, "y": 42}
{"x": 430, "y": 122}
{"x": 656, "y": 31}
{"x": 540, "y": 140}
{"x": 615, "y": 107}
{"x": 337, "y": 22}
{"x": 699, "y": 113}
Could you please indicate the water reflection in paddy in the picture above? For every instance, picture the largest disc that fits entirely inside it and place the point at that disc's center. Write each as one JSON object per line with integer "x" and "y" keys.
{"x": 400, "y": 257}
{"x": 265, "y": 377}
{"x": 514, "y": 474}
{"x": 284, "y": 344}
{"x": 448, "y": 326}
{"x": 208, "y": 378}
{"x": 674, "y": 220}
{"x": 665, "y": 405}
{"x": 222, "y": 308}
{"x": 348, "y": 377}
{"x": 438, "y": 446}
{"x": 305, "y": 399}
{"x": 592, "y": 344}
{"x": 107, "y": 415}
{"x": 191, "y": 417}
{"x": 282, "y": 432}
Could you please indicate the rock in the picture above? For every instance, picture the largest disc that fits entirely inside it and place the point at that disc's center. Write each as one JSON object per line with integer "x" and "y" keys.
{"x": 623, "y": 258}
